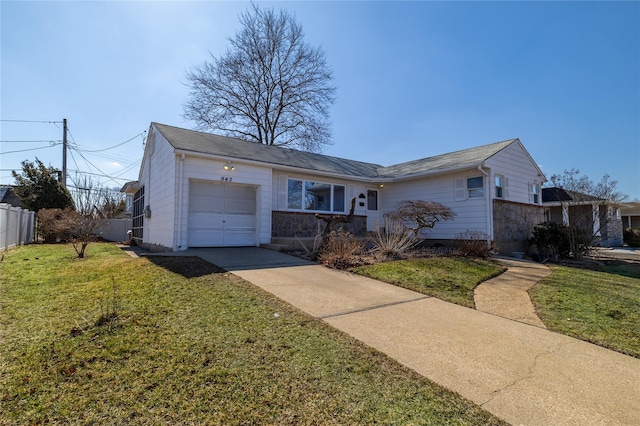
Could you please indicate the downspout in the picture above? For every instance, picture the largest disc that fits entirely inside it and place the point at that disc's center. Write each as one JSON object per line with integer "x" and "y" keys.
{"x": 489, "y": 206}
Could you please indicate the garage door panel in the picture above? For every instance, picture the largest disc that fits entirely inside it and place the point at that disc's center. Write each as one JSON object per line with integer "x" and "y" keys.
{"x": 240, "y": 207}
{"x": 203, "y": 220}
{"x": 238, "y": 238}
{"x": 205, "y": 238}
{"x": 207, "y": 188}
{"x": 202, "y": 203}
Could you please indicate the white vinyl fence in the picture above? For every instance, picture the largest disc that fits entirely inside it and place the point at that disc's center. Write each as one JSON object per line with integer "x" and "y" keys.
{"x": 117, "y": 230}
{"x": 16, "y": 226}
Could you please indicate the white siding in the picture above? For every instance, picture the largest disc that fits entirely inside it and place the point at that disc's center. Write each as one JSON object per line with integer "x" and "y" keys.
{"x": 157, "y": 176}
{"x": 520, "y": 172}
{"x": 471, "y": 214}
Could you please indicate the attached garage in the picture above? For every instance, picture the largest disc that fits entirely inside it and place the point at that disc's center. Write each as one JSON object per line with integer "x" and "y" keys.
{"x": 221, "y": 214}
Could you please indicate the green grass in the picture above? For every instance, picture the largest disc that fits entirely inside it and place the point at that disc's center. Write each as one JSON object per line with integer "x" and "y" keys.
{"x": 211, "y": 349}
{"x": 448, "y": 278}
{"x": 602, "y": 307}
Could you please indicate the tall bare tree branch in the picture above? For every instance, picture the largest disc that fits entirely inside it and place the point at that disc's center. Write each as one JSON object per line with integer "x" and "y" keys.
{"x": 269, "y": 87}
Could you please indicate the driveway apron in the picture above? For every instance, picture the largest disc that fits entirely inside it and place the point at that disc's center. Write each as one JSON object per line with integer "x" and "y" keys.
{"x": 522, "y": 373}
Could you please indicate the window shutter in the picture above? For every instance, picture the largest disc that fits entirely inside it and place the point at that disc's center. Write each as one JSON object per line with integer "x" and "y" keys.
{"x": 282, "y": 192}
{"x": 531, "y": 193}
{"x": 505, "y": 188}
{"x": 460, "y": 190}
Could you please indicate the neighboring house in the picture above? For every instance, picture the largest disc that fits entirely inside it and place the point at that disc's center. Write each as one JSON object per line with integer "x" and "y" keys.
{"x": 630, "y": 215}
{"x": 588, "y": 212}
{"x": 7, "y": 196}
{"x": 202, "y": 190}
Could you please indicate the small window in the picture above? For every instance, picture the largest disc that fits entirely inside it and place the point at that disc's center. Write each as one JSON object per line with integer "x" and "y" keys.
{"x": 499, "y": 182}
{"x": 475, "y": 187}
{"x": 535, "y": 192}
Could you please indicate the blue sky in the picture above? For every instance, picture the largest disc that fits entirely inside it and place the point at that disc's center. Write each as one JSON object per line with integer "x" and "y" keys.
{"x": 414, "y": 79}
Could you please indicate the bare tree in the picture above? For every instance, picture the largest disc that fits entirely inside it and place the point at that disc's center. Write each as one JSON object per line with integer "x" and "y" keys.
{"x": 270, "y": 87}
{"x": 417, "y": 215}
{"x": 88, "y": 220}
{"x": 586, "y": 207}
{"x": 92, "y": 197}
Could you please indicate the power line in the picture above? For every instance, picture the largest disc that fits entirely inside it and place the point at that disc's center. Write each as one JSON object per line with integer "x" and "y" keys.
{"x": 41, "y": 141}
{"x": 30, "y": 149}
{"x": 32, "y": 121}
{"x": 96, "y": 174}
{"x": 115, "y": 146}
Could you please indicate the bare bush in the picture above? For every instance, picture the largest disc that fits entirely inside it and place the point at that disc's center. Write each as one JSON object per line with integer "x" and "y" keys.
{"x": 472, "y": 243}
{"x": 341, "y": 250}
{"x": 52, "y": 226}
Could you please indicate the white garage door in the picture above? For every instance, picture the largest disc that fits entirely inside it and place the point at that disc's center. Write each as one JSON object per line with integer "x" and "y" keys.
{"x": 221, "y": 214}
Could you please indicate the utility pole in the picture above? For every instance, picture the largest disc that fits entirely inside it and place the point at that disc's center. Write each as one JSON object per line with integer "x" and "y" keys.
{"x": 64, "y": 152}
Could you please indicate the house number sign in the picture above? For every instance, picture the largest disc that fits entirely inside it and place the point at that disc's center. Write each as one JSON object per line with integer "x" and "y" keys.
{"x": 226, "y": 178}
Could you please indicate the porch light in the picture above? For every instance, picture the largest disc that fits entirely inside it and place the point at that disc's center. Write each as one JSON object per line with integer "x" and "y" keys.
{"x": 229, "y": 166}
{"x": 382, "y": 185}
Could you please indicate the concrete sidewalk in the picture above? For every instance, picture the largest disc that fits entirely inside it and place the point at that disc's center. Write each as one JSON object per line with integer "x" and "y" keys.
{"x": 523, "y": 374}
{"x": 506, "y": 295}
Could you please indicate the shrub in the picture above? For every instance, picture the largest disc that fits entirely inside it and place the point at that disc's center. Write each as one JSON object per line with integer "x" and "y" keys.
{"x": 473, "y": 244}
{"x": 52, "y": 225}
{"x": 393, "y": 240}
{"x": 341, "y": 250}
{"x": 551, "y": 240}
{"x": 632, "y": 237}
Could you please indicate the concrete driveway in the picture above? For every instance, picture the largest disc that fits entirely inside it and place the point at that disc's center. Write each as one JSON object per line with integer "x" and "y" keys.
{"x": 523, "y": 374}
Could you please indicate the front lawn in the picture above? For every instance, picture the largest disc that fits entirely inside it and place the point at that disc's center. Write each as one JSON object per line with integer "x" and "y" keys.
{"x": 448, "y": 278}
{"x": 114, "y": 340}
{"x": 602, "y": 307}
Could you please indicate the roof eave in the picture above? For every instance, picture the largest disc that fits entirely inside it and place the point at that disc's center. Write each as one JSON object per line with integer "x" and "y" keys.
{"x": 283, "y": 167}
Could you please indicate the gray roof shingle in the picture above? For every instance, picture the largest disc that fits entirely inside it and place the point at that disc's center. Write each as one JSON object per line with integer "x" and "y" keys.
{"x": 190, "y": 140}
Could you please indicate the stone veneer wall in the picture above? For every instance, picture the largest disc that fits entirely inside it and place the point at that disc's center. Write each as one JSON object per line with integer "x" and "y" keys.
{"x": 513, "y": 225}
{"x": 612, "y": 233}
{"x": 305, "y": 225}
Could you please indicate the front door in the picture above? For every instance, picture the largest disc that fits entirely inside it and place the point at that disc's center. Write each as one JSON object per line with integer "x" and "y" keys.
{"x": 373, "y": 217}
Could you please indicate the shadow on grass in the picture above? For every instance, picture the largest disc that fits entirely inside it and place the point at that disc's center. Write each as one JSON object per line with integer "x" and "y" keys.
{"x": 187, "y": 266}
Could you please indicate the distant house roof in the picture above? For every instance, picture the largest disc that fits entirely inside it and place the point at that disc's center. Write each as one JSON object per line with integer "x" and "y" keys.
{"x": 559, "y": 195}
{"x": 189, "y": 140}
{"x": 630, "y": 209}
{"x": 7, "y": 196}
